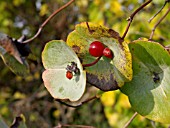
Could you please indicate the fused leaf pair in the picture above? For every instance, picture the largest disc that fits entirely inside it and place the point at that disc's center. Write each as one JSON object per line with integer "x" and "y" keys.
{"x": 56, "y": 57}
{"x": 107, "y": 74}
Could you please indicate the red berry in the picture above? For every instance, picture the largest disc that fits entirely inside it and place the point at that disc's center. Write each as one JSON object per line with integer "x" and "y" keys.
{"x": 108, "y": 53}
{"x": 69, "y": 75}
{"x": 96, "y": 49}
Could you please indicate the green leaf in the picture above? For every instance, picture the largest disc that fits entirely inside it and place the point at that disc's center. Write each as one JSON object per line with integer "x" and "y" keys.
{"x": 56, "y": 56}
{"x": 149, "y": 90}
{"x": 15, "y": 66}
{"x": 7, "y": 46}
{"x": 107, "y": 74}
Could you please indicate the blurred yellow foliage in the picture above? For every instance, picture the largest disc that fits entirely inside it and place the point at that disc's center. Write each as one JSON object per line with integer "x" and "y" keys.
{"x": 141, "y": 118}
{"x": 43, "y": 10}
{"x": 81, "y": 3}
{"x": 123, "y": 101}
{"x": 18, "y": 2}
{"x": 37, "y": 75}
{"x": 19, "y": 95}
{"x": 18, "y": 78}
{"x": 115, "y": 104}
{"x": 33, "y": 117}
{"x": 56, "y": 113}
{"x": 96, "y": 16}
{"x": 4, "y": 94}
{"x": 6, "y": 22}
{"x": 4, "y": 110}
{"x": 108, "y": 98}
{"x": 115, "y": 7}
{"x": 23, "y": 117}
{"x": 29, "y": 78}
{"x": 113, "y": 118}
{"x": 98, "y": 2}
{"x": 120, "y": 28}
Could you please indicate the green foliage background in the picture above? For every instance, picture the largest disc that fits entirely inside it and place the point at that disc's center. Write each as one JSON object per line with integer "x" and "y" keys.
{"x": 29, "y": 97}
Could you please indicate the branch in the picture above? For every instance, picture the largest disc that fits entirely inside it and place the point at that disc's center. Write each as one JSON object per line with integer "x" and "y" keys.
{"x": 48, "y": 19}
{"x": 82, "y": 103}
{"x": 90, "y": 31}
{"x": 159, "y": 21}
{"x": 131, "y": 119}
{"x": 153, "y": 124}
{"x": 166, "y": 1}
{"x": 75, "y": 126}
{"x": 130, "y": 19}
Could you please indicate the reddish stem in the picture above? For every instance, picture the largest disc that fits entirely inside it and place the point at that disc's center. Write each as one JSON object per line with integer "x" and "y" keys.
{"x": 159, "y": 21}
{"x": 131, "y": 119}
{"x": 73, "y": 126}
{"x": 130, "y": 19}
{"x": 48, "y": 19}
{"x": 91, "y": 31}
{"x": 93, "y": 63}
{"x": 158, "y": 11}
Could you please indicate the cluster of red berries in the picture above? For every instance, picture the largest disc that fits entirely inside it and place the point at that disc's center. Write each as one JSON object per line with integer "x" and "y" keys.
{"x": 97, "y": 49}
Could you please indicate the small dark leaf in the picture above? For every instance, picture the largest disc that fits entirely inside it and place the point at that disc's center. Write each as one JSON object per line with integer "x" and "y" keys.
{"x": 19, "y": 122}
{"x": 23, "y": 48}
{"x": 16, "y": 122}
{"x": 7, "y": 46}
{"x": 12, "y": 57}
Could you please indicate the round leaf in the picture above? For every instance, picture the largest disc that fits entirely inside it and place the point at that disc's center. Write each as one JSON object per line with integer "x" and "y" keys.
{"x": 149, "y": 90}
{"x": 56, "y": 56}
{"x": 107, "y": 74}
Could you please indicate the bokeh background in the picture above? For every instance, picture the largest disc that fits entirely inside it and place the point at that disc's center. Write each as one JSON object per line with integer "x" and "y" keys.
{"x": 28, "y": 95}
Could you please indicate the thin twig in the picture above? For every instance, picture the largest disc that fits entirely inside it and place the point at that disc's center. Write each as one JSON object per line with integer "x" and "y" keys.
{"x": 130, "y": 19}
{"x": 48, "y": 19}
{"x": 153, "y": 124}
{"x": 159, "y": 21}
{"x": 75, "y": 126}
{"x": 91, "y": 31}
{"x": 166, "y": 1}
{"x": 131, "y": 119}
{"x": 82, "y": 103}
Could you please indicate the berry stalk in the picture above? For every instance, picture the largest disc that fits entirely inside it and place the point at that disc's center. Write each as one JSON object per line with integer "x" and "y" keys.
{"x": 93, "y": 63}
